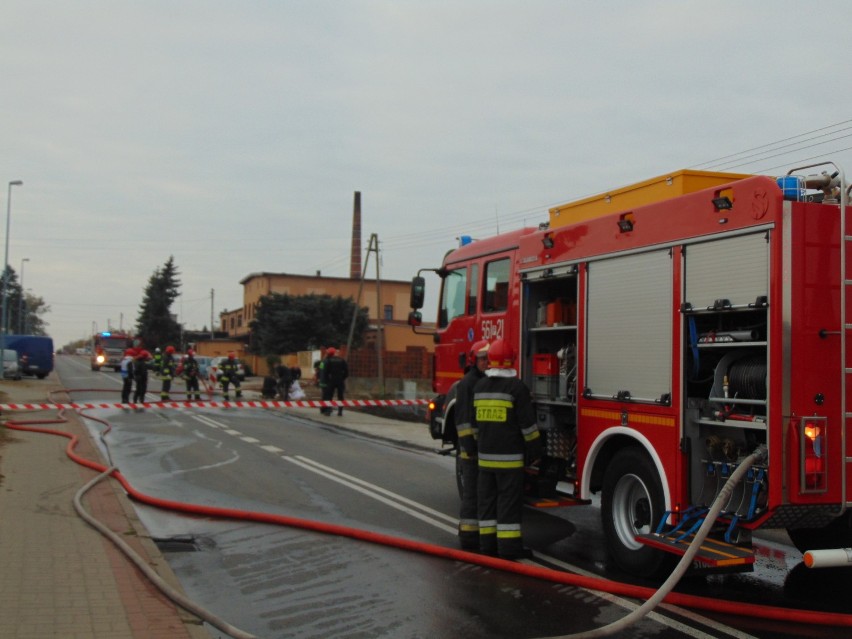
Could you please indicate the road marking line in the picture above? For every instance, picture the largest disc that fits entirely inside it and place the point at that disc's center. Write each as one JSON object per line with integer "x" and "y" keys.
{"x": 372, "y": 493}
{"x": 661, "y": 619}
{"x": 379, "y": 489}
{"x": 272, "y": 449}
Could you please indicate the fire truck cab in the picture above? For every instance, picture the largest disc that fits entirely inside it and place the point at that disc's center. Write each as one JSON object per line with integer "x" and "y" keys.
{"x": 667, "y": 330}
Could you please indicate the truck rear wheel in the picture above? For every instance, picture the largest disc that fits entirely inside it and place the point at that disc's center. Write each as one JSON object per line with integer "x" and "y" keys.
{"x": 632, "y": 504}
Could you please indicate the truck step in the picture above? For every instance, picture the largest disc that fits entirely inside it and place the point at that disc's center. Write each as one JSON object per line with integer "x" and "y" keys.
{"x": 714, "y": 553}
{"x": 558, "y": 501}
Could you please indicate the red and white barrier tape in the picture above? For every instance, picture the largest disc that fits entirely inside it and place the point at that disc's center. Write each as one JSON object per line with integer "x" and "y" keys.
{"x": 355, "y": 403}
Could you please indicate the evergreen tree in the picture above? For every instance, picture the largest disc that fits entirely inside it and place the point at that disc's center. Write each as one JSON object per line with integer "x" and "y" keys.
{"x": 290, "y": 323}
{"x": 155, "y": 325}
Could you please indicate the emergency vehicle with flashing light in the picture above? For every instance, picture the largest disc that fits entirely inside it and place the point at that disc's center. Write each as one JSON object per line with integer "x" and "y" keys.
{"x": 108, "y": 349}
{"x": 668, "y": 329}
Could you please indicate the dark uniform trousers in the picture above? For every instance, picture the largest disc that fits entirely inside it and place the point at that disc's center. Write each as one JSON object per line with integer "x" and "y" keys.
{"x": 507, "y": 431}
{"x": 501, "y": 502}
{"x": 468, "y": 462}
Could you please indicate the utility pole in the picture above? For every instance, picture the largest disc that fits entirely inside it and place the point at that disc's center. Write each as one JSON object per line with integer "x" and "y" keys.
{"x": 373, "y": 247}
{"x": 211, "y": 314}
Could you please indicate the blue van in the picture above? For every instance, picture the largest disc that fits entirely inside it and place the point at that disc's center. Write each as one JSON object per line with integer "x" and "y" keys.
{"x": 35, "y": 353}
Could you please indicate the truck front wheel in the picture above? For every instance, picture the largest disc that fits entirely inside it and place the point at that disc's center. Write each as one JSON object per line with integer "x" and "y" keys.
{"x": 632, "y": 504}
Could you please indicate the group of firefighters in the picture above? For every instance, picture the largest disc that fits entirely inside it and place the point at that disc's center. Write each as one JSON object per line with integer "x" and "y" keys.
{"x": 498, "y": 437}
{"x": 138, "y": 362}
{"x": 332, "y": 372}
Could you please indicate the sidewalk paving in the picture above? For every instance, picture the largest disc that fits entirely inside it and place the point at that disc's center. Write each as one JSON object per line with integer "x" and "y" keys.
{"x": 61, "y": 578}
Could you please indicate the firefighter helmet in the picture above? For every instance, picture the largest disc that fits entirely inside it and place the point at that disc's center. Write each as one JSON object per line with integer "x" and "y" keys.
{"x": 331, "y": 351}
{"x": 477, "y": 350}
{"x": 170, "y": 349}
{"x": 501, "y": 354}
{"x": 231, "y": 356}
{"x": 190, "y": 351}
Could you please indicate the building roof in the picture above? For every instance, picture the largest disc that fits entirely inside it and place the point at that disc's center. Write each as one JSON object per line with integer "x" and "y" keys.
{"x": 264, "y": 274}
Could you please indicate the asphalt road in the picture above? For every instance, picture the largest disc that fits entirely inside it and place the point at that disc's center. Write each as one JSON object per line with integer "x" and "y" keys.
{"x": 285, "y": 582}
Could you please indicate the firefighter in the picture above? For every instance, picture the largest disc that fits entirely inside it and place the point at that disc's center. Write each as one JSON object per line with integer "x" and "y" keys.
{"x": 190, "y": 372}
{"x": 506, "y": 434}
{"x": 156, "y": 361}
{"x": 319, "y": 366}
{"x": 229, "y": 373}
{"x": 284, "y": 378}
{"x": 141, "y": 365}
{"x": 335, "y": 370}
{"x": 468, "y": 516}
{"x": 167, "y": 372}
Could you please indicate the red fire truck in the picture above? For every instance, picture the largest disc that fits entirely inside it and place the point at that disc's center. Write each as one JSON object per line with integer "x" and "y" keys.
{"x": 108, "y": 348}
{"x": 667, "y": 330}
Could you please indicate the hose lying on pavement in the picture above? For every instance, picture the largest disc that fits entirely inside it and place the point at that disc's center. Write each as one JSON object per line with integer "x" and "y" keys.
{"x": 537, "y": 572}
{"x": 179, "y": 598}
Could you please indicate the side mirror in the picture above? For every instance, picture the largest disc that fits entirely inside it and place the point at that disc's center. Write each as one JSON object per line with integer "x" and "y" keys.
{"x": 415, "y": 318}
{"x": 418, "y": 292}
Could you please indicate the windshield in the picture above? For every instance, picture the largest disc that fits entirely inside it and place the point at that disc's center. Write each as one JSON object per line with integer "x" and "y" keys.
{"x": 113, "y": 343}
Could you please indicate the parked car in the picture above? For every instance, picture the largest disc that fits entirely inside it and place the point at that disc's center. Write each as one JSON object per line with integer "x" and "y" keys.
{"x": 203, "y": 364}
{"x": 213, "y": 369}
{"x": 11, "y": 370}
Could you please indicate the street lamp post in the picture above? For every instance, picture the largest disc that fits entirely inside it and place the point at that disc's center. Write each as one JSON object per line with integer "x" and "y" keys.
{"x": 22, "y": 325}
{"x": 3, "y": 313}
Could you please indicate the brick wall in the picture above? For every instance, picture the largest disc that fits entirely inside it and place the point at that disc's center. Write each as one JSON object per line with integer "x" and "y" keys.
{"x": 413, "y": 363}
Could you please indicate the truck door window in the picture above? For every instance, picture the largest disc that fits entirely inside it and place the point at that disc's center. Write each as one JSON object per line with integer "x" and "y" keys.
{"x": 497, "y": 286}
{"x": 474, "y": 289}
{"x": 453, "y": 291}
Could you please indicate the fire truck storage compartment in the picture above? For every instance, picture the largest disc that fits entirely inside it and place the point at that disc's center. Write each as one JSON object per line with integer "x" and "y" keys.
{"x": 725, "y": 364}
{"x": 556, "y": 422}
{"x": 550, "y": 323}
{"x": 629, "y": 327}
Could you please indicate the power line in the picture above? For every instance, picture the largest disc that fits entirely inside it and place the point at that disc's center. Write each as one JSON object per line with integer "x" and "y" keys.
{"x": 763, "y": 146}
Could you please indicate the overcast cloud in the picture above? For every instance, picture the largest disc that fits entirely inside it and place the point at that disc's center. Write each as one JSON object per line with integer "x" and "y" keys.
{"x": 232, "y": 135}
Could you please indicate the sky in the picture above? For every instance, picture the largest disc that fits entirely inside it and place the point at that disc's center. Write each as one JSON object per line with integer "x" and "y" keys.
{"x": 232, "y": 135}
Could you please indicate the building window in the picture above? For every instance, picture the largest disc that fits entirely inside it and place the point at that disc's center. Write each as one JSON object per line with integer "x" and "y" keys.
{"x": 388, "y": 312}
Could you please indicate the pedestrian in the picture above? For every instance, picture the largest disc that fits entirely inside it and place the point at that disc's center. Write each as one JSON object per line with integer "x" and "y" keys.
{"x": 127, "y": 375}
{"x": 167, "y": 372}
{"x": 335, "y": 370}
{"x": 190, "y": 372}
{"x": 229, "y": 373}
{"x": 507, "y": 435}
{"x": 141, "y": 365}
{"x": 468, "y": 512}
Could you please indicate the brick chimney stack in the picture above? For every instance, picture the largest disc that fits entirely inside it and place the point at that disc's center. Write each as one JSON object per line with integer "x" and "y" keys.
{"x": 355, "y": 260}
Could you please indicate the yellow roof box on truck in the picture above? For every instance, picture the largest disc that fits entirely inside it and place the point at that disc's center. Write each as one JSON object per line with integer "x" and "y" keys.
{"x": 656, "y": 189}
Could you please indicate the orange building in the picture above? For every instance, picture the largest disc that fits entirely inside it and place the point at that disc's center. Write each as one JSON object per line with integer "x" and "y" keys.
{"x": 387, "y": 305}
